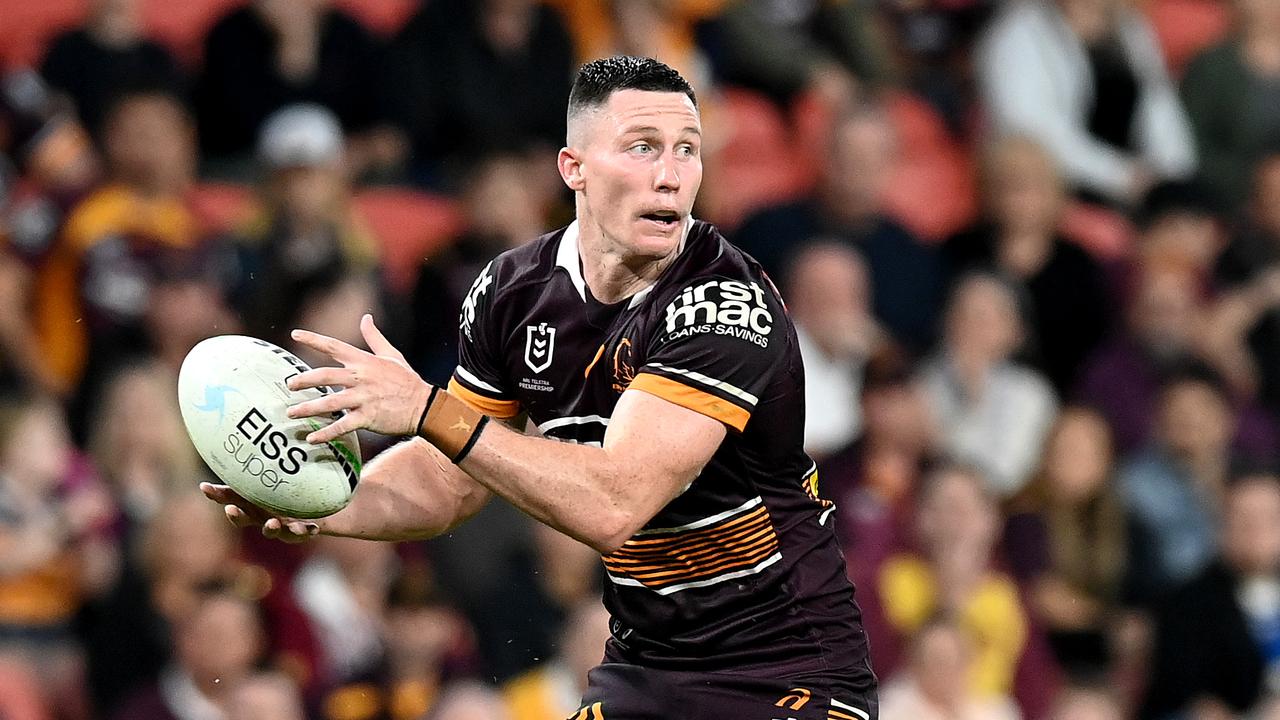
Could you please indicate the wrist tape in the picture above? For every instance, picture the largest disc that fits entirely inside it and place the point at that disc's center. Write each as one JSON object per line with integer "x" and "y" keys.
{"x": 450, "y": 424}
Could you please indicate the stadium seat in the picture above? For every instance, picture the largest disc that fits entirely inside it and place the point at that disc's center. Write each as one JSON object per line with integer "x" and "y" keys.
{"x": 219, "y": 206}
{"x": 760, "y": 164}
{"x": 1185, "y": 27}
{"x": 934, "y": 189}
{"x": 409, "y": 226}
{"x": 28, "y": 27}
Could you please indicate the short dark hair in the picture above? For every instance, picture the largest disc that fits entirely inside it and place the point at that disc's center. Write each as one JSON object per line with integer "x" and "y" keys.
{"x": 599, "y": 79}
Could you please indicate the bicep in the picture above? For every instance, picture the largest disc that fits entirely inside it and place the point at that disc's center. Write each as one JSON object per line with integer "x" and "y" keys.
{"x": 666, "y": 444}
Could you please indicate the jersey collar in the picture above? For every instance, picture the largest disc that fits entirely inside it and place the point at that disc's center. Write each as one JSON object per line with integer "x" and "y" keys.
{"x": 568, "y": 258}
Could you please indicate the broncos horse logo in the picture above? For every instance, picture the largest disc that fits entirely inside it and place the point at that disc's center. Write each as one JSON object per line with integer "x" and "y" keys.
{"x": 624, "y": 370}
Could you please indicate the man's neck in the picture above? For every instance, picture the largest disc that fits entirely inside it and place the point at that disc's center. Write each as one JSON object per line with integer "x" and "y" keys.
{"x": 610, "y": 275}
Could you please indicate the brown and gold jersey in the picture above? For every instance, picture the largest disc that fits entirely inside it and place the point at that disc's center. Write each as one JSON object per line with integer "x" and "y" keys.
{"x": 741, "y": 572}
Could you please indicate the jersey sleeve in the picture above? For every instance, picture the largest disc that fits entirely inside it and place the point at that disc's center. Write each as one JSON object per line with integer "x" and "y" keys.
{"x": 478, "y": 379}
{"x": 715, "y": 348}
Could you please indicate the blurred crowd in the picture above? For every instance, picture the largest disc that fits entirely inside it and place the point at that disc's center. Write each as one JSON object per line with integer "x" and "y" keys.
{"x": 1032, "y": 249}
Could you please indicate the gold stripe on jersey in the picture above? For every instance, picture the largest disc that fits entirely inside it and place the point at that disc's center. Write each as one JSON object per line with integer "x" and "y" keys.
{"x": 693, "y": 399}
{"x": 663, "y": 561}
{"x": 501, "y": 409}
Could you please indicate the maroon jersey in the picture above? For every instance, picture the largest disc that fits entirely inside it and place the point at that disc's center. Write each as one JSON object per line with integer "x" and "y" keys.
{"x": 741, "y": 572}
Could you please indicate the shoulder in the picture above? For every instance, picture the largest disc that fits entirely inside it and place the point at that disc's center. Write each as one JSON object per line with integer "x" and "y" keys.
{"x": 99, "y": 213}
{"x": 712, "y": 268}
{"x": 533, "y": 261}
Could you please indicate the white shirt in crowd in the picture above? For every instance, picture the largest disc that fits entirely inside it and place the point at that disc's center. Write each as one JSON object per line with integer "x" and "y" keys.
{"x": 832, "y": 398}
{"x": 1035, "y": 79}
{"x": 1001, "y": 431}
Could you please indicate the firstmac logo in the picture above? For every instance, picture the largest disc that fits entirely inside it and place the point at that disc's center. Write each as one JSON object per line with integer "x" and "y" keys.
{"x": 723, "y": 307}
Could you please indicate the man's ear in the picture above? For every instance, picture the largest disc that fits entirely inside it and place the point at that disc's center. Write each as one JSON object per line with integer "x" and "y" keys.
{"x": 570, "y": 166}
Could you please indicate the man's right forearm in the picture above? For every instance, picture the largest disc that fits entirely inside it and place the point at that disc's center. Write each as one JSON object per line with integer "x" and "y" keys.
{"x": 409, "y": 492}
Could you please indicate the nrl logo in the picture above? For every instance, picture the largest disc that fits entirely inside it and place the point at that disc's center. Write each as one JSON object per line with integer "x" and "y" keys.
{"x": 539, "y": 346}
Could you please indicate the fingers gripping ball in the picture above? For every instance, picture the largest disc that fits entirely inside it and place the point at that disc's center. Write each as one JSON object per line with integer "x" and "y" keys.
{"x": 235, "y": 402}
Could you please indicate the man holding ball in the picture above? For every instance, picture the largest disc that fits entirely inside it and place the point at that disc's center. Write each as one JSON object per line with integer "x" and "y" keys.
{"x": 662, "y": 372}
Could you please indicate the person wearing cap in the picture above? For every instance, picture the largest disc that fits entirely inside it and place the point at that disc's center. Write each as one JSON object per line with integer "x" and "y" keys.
{"x": 47, "y": 165}
{"x": 127, "y": 275}
{"x": 302, "y": 249}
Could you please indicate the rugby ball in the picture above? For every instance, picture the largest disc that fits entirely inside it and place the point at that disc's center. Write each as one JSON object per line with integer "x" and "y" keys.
{"x": 234, "y": 401}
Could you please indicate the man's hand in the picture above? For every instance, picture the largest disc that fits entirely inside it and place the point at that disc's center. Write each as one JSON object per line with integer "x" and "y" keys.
{"x": 243, "y": 513}
{"x": 381, "y": 392}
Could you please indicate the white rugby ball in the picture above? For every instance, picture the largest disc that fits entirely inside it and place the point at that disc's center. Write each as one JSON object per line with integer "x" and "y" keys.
{"x": 234, "y": 401}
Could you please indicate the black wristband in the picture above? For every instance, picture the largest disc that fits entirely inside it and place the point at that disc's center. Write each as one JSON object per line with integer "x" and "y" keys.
{"x": 417, "y": 429}
{"x": 471, "y": 442}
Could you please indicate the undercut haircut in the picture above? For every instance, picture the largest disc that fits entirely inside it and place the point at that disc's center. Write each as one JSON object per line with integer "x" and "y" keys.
{"x": 599, "y": 79}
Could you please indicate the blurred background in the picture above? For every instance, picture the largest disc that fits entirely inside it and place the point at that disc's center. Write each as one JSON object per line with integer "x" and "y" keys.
{"x": 1032, "y": 248}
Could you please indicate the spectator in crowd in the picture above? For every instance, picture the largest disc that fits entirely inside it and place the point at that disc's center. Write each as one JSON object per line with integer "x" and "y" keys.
{"x": 554, "y": 689}
{"x": 272, "y": 53}
{"x": 784, "y": 47}
{"x": 663, "y": 29}
{"x": 1173, "y": 489}
{"x": 1230, "y": 91}
{"x": 139, "y": 445}
{"x": 1249, "y": 270}
{"x": 218, "y": 643}
{"x": 1170, "y": 321}
{"x": 484, "y": 563}
{"x": 931, "y": 42}
{"x": 1087, "y": 703}
{"x": 953, "y": 575}
{"x": 1178, "y": 223}
{"x": 54, "y": 548}
{"x": 502, "y": 210}
{"x": 988, "y": 410}
{"x": 1163, "y": 316}
{"x": 829, "y": 296}
{"x": 129, "y": 275}
{"x": 1018, "y": 235}
{"x": 51, "y": 165}
{"x": 1086, "y": 79}
{"x": 183, "y": 552}
{"x": 342, "y": 589}
{"x": 428, "y": 645}
{"x": 303, "y": 242}
{"x": 109, "y": 54}
{"x": 265, "y": 694}
{"x": 1067, "y": 541}
{"x": 873, "y": 482}
{"x": 935, "y": 684}
{"x": 1217, "y": 644}
{"x": 848, "y": 208}
{"x": 475, "y": 78}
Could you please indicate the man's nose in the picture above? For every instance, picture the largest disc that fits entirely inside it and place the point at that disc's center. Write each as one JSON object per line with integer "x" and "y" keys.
{"x": 666, "y": 178}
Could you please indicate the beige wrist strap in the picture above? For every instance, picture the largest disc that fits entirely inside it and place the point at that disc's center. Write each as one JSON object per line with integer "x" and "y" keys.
{"x": 450, "y": 424}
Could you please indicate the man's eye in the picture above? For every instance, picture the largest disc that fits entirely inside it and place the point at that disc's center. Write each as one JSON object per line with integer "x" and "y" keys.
{"x": 641, "y": 148}
{"x": 687, "y": 151}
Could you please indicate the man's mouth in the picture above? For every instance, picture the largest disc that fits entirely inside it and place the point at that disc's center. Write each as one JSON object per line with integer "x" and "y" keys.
{"x": 665, "y": 218}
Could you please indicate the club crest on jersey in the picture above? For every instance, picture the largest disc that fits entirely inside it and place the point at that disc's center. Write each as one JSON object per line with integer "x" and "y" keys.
{"x": 539, "y": 346}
